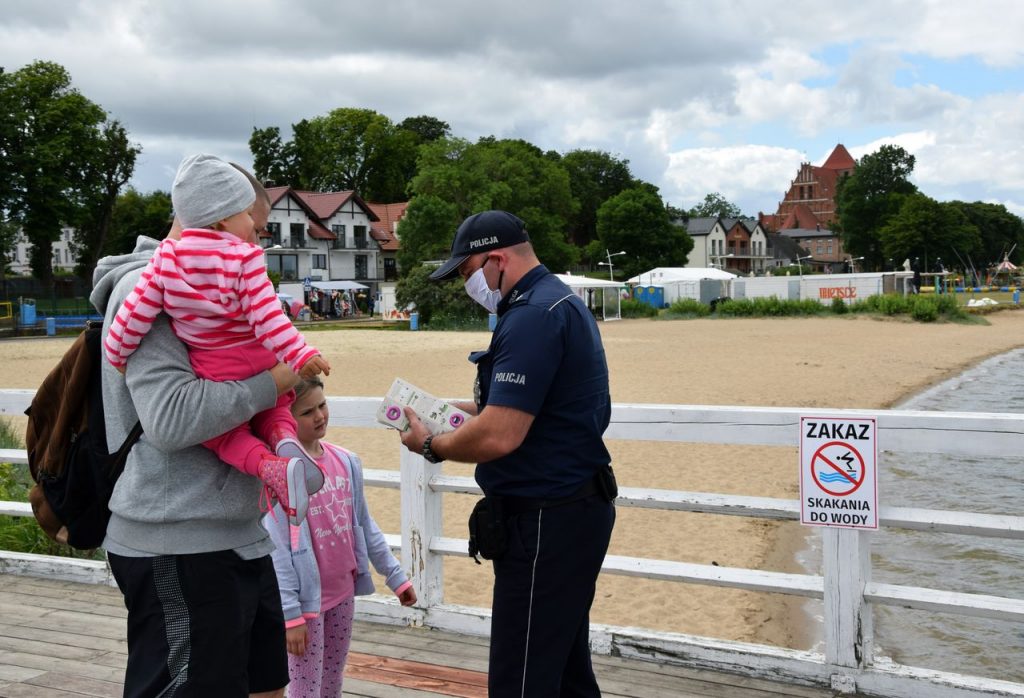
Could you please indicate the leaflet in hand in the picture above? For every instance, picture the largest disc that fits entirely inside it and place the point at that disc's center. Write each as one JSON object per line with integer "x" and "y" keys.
{"x": 437, "y": 415}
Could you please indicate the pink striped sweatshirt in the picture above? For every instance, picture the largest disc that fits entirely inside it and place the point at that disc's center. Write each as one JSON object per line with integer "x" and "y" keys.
{"x": 216, "y": 291}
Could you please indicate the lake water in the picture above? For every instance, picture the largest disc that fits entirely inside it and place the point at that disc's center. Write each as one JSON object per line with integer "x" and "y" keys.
{"x": 952, "y": 562}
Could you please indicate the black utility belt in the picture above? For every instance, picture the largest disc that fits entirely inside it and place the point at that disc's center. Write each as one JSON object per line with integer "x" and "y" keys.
{"x": 517, "y": 505}
{"x": 487, "y": 535}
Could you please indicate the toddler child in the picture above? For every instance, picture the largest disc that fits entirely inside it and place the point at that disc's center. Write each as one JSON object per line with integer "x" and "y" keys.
{"x": 213, "y": 285}
{"x": 324, "y": 563}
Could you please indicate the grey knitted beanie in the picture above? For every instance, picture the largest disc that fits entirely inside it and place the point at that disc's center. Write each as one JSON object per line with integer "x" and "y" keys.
{"x": 207, "y": 189}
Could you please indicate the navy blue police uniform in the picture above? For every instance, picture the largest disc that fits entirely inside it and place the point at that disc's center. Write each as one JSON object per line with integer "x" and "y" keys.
{"x": 546, "y": 358}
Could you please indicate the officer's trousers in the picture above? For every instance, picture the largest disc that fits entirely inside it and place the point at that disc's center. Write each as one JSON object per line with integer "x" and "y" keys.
{"x": 543, "y": 590}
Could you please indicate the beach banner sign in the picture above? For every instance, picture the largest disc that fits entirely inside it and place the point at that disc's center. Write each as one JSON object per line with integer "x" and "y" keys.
{"x": 838, "y": 474}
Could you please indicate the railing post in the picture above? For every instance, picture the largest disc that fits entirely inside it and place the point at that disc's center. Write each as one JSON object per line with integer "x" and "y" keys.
{"x": 849, "y": 635}
{"x": 421, "y": 521}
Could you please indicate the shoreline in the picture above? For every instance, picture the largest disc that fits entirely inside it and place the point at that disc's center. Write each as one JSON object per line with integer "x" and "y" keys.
{"x": 841, "y": 362}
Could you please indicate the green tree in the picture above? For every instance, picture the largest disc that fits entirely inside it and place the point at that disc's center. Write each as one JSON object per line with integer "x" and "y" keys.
{"x": 868, "y": 198}
{"x": 431, "y": 298}
{"x": 353, "y": 150}
{"x": 48, "y": 131}
{"x": 928, "y": 229}
{"x": 636, "y": 222}
{"x": 426, "y": 128}
{"x": 137, "y": 214}
{"x": 110, "y": 167}
{"x": 511, "y": 175}
{"x": 594, "y": 177}
{"x": 273, "y": 160}
{"x": 427, "y": 231}
{"x": 1000, "y": 230}
{"x": 715, "y": 205}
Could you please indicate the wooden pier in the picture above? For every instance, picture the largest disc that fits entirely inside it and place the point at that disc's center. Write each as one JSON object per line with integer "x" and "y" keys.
{"x": 67, "y": 640}
{"x": 65, "y": 636}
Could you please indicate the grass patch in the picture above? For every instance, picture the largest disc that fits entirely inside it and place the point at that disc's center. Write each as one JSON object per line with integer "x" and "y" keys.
{"x": 920, "y": 308}
{"x": 21, "y": 534}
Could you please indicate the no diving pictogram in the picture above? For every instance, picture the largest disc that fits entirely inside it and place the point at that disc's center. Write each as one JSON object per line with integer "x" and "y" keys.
{"x": 837, "y": 468}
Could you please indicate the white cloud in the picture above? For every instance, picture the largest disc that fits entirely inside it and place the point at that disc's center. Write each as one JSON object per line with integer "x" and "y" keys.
{"x": 746, "y": 175}
{"x": 698, "y": 96}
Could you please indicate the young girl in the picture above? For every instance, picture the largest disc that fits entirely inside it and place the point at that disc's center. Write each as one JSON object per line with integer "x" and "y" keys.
{"x": 323, "y": 564}
{"x": 214, "y": 286}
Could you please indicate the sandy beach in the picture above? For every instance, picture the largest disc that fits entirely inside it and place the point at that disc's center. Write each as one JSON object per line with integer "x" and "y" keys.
{"x": 847, "y": 362}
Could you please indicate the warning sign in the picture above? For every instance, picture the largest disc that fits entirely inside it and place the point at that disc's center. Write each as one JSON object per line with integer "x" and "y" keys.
{"x": 838, "y": 482}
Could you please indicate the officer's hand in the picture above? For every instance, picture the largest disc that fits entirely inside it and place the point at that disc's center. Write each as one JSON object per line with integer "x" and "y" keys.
{"x": 416, "y": 434}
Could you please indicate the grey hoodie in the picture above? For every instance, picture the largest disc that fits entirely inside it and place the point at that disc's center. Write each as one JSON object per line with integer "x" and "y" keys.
{"x": 175, "y": 496}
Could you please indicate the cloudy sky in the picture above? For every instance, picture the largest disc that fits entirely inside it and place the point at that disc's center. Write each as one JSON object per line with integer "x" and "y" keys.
{"x": 698, "y": 95}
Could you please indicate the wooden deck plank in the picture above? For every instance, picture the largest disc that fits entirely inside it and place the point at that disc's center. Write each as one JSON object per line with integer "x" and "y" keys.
{"x": 78, "y": 685}
{"x": 67, "y": 640}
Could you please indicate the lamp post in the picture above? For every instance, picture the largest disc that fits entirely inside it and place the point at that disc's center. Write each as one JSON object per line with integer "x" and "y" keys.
{"x": 799, "y": 264}
{"x": 853, "y": 266}
{"x": 611, "y": 272}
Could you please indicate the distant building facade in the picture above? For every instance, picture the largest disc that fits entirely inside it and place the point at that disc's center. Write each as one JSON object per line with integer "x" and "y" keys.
{"x": 739, "y": 245}
{"x": 64, "y": 258}
{"x": 808, "y": 210}
{"x": 331, "y": 236}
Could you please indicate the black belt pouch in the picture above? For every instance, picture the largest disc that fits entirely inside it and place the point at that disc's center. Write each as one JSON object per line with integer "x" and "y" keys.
{"x": 487, "y": 535}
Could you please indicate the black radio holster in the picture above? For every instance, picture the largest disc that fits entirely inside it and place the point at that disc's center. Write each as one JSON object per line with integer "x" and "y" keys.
{"x": 487, "y": 535}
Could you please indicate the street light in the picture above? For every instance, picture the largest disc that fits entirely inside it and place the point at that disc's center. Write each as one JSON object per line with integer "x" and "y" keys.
{"x": 853, "y": 267}
{"x": 611, "y": 271}
{"x": 799, "y": 264}
{"x": 720, "y": 257}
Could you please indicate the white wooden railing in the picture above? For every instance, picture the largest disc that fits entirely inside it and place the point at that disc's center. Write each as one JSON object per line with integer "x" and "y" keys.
{"x": 847, "y": 664}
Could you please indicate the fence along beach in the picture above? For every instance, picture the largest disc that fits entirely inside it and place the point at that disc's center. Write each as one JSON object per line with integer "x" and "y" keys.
{"x": 849, "y": 362}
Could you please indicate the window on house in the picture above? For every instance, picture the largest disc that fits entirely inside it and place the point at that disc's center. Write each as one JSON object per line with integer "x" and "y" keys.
{"x": 319, "y": 261}
{"x": 298, "y": 234}
{"x": 361, "y": 266}
{"x": 359, "y": 233}
{"x": 828, "y": 247}
{"x": 819, "y": 247}
{"x": 275, "y": 233}
{"x": 287, "y": 265}
{"x": 339, "y": 232}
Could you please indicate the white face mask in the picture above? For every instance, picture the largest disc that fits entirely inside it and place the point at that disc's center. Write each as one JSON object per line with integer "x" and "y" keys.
{"x": 478, "y": 290}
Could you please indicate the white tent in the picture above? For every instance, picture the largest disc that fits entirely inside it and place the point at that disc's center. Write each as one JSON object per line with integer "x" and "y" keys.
{"x": 337, "y": 285}
{"x": 582, "y": 285}
{"x": 662, "y": 275}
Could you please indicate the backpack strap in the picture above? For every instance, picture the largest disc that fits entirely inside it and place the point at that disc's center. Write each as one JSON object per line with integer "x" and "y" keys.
{"x": 117, "y": 460}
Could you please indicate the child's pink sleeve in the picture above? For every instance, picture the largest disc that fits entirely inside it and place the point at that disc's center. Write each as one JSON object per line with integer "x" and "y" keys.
{"x": 261, "y": 306}
{"x": 135, "y": 316}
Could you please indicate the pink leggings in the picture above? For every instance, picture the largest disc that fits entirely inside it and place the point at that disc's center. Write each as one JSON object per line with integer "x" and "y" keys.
{"x": 318, "y": 672}
{"x": 240, "y": 447}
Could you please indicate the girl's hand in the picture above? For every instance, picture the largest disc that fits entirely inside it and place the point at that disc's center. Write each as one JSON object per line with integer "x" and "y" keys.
{"x": 408, "y": 597}
{"x": 297, "y": 640}
{"x": 314, "y": 367}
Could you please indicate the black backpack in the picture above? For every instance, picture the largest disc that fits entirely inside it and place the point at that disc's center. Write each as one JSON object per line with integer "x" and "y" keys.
{"x": 66, "y": 440}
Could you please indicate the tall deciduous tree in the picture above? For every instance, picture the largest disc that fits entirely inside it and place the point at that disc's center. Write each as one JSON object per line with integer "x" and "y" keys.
{"x": 594, "y": 177}
{"x": 868, "y": 198}
{"x": 636, "y": 222}
{"x": 715, "y": 205}
{"x": 1002, "y": 233}
{"x": 928, "y": 230}
{"x": 426, "y": 128}
{"x": 108, "y": 170}
{"x": 273, "y": 159}
{"x": 511, "y": 175}
{"x": 137, "y": 214}
{"x": 354, "y": 149}
{"x": 47, "y": 129}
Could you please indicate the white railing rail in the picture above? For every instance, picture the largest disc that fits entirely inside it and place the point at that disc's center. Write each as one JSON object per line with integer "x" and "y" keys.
{"x": 847, "y": 663}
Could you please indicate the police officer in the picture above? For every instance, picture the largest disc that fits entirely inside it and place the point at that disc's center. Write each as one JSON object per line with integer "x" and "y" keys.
{"x": 541, "y": 407}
